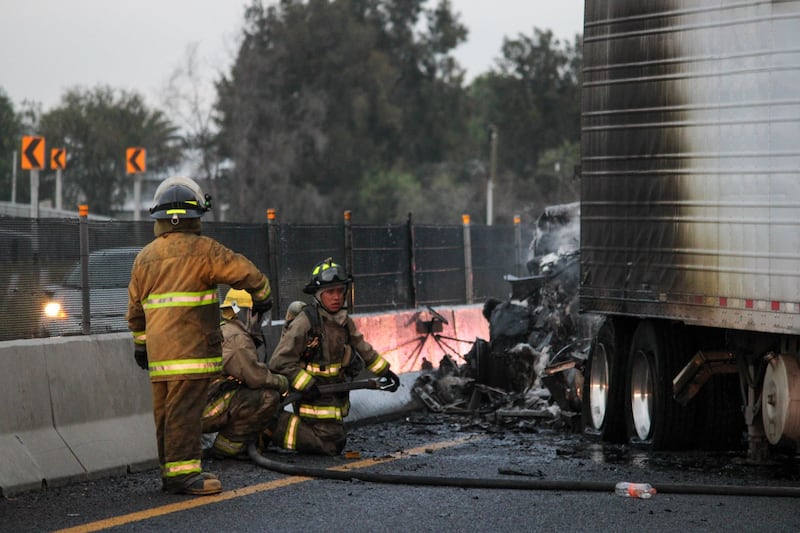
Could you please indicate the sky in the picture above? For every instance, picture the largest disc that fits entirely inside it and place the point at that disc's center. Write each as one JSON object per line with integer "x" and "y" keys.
{"x": 49, "y": 46}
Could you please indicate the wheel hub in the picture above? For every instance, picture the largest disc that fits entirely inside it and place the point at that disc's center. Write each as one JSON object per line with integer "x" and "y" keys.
{"x": 642, "y": 395}
{"x": 598, "y": 387}
{"x": 780, "y": 404}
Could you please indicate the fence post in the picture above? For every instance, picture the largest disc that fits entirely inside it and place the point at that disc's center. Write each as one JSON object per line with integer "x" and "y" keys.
{"x": 412, "y": 265}
{"x": 272, "y": 261}
{"x": 517, "y": 245}
{"x": 467, "y": 257}
{"x": 86, "y": 322}
{"x": 348, "y": 259}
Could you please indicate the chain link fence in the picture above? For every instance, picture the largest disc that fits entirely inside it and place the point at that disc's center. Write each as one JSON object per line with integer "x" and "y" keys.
{"x": 70, "y": 276}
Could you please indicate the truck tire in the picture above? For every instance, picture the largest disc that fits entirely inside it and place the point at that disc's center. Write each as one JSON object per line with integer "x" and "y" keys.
{"x": 653, "y": 418}
{"x": 602, "y": 409}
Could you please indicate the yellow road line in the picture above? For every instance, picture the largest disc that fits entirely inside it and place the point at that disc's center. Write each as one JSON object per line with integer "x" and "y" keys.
{"x": 199, "y": 501}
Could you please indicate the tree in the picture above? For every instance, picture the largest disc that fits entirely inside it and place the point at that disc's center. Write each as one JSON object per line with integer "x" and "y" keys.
{"x": 533, "y": 98}
{"x": 192, "y": 109}
{"x": 325, "y": 92}
{"x": 95, "y": 127}
{"x": 10, "y": 138}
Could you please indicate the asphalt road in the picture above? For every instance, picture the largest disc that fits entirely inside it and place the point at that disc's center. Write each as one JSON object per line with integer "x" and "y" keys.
{"x": 441, "y": 447}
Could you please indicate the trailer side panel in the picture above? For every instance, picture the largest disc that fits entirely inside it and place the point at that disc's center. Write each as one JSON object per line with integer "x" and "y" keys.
{"x": 690, "y": 194}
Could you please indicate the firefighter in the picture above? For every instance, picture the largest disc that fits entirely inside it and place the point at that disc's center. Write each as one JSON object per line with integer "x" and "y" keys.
{"x": 243, "y": 400}
{"x": 320, "y": 346}
{"x": 173, "y": 313}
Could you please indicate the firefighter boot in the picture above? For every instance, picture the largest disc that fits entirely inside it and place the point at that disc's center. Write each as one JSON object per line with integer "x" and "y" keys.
{"x": 202, "y": 484}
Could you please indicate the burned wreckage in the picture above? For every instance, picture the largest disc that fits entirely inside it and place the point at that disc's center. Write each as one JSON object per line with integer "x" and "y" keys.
{"x": 531, "y": 366}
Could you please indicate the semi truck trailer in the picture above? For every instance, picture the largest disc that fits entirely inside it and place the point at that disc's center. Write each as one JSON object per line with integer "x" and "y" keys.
{"x": 690, "y": 223}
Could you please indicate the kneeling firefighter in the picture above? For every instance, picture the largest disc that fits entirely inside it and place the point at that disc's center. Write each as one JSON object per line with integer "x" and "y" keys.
{"x": 319, "y": 347}
{"x": 243, "y": 400}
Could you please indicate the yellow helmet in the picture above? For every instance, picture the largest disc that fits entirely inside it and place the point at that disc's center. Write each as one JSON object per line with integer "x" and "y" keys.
{"x": 237, "y": 299}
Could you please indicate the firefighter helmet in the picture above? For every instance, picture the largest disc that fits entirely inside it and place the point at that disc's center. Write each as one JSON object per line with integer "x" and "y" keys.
{"x": 237, "y": 299}
{"x": 241, "y": 303}
{"x": 326, "y": 274}
{"x": 179, "y": 197}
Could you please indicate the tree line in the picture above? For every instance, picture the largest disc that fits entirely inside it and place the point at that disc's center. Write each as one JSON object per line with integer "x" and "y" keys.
{"x": 332, "y": 105}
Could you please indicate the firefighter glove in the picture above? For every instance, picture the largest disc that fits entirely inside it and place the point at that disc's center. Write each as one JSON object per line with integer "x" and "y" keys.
{"x": 140, "y": 354}
{"x": 282, "y": 383}
{"x": 262, "y": 306}
{"x": 311, "y": 392}
{"x": 395, "y": 381}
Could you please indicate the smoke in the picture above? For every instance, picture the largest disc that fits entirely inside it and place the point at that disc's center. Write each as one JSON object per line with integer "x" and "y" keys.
{"x": 557, "y": 232}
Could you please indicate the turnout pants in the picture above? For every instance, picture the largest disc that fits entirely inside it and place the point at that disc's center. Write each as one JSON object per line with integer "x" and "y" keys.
{"x": 308, "y": 435}
{"x": 177, "y": 409}
{"x": 239, "y": 416}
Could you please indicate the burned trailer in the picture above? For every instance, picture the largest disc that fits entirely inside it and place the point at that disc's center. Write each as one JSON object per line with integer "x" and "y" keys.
{"x": 690, "y": 201}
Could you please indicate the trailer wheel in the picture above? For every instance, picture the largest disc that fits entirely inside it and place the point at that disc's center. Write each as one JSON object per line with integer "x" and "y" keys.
{"x": 602, "y": 410}
{"x": 652, "y": 417}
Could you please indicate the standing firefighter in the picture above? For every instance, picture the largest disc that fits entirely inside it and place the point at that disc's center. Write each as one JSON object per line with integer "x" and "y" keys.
{"x": 319, "y": 347}
{"x": 173, "y": 312}
{"x": 243, "y": 400}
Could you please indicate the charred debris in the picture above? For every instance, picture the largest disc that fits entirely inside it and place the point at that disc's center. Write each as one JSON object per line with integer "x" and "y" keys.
{"x": 529, "y": 372}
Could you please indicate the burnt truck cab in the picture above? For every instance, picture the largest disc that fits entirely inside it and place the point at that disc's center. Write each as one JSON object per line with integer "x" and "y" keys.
{"x": 541, "y": 319}
{"x": 553, "y": 253}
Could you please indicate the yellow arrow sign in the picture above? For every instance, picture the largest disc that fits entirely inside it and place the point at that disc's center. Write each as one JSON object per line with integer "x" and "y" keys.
{"x": 135, "y": 160}
{"x": 58, "y": 158}
{"x": 32, "y": 152}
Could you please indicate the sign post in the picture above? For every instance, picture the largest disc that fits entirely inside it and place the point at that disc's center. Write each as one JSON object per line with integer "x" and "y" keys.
{"x": 58, "y": 160}
{"x": 14, "y": 178}
{"x": 33, "y": 160}
{"x": 135, "y": 163}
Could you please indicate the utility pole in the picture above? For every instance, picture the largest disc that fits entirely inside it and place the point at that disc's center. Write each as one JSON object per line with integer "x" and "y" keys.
{"x": 492, "y": 175}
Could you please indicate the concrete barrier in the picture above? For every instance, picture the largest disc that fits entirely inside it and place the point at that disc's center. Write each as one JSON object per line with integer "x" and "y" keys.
{"x": 73, "y": 409}
{"x": 78, "y": 408}
{"x": 102, "y": 405}
{"x": 31, "y": 449}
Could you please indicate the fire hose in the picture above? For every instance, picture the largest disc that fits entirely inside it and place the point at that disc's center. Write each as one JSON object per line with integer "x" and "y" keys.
{"x": 488, "y": 483}
{"x": 510, "y": 484}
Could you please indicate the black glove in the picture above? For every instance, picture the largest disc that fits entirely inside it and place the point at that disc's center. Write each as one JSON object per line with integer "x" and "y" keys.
{"x": 140, "y": 354}
{"x": 311, "y": 392}
{"x": 395, "y": 381}
{"x": 262, "y": 306}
